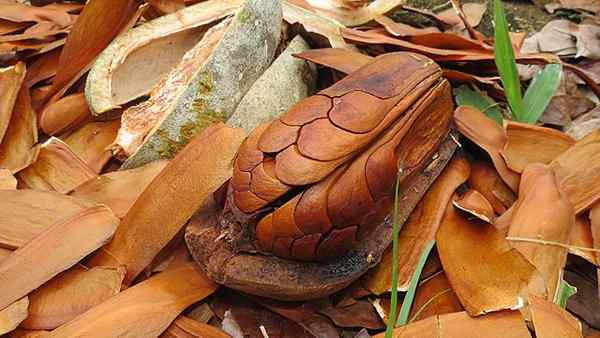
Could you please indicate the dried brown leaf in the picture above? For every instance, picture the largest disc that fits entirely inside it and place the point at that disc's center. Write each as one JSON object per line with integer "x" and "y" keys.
{"x": 22, "y": 333}
{"x": 487, "y": 134}
{"x": 144, "y": 310}
{"x": 419, "y": 229}
{"x": 13, "y": 315}
{"x": 359, "y": 314}
{"x": 341, "y": 59}
{"x": 10, "y": 83}
{"x": 529, "y": 143}
{"x": 485, "y": 179}
{"x": 434, "y": 297}
{"x": 27, "y": 213}
{"x": 167, "y": 6}
{"x": 581, "y": 237}
{"x": 171, "y": 199}
{"x": 486, "y": 273}
{"x": 578, "y": 171}
{"x": 315, "y": 23}
{"x": 185, "y": 327}
{"x": 358, "y": 13}
{"x": 7, "y": 180}
{"x": 57, "y": 168}
{"x": 18, "y": 149}
{"x": 56, "y": 249}
{"x": 64, "y": 114}
{"x": 477, "y": 205}
{"x": 71, "y": 293}
{"x": 595, "y": 230}
{"x": 119, "y": 189}
{"x": 91, "y": 143}
{"x": 402, "y": 29}
{"x": 43, "y": 68}
{"x": 17, "y": 12}
{"x": 550, "y": 320}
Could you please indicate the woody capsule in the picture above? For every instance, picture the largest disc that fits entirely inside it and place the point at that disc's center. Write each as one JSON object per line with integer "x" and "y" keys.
{"x": 307, "y": 209}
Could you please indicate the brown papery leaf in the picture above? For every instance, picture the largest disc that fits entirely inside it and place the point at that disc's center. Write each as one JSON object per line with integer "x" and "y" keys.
{"x": 57, "y": 168}
{"x": 13, "y": 315}
{"x": 22, "y": 333}
{"x": 485, "y": 179}
{"x": 71, "y": 293}
{"x": 434, "y": 297}
{"x": 119, "y": 189}
{"x": 550, "y": 320}
{"x": 486, "y": 273}
{"x": 595, "y": 229}
{"x": 167, "y": 6}
{"x": 581, "y": 237}
{"x": 528, "y": 143}
{"x": 578, "y": 171}
{"x": 20, "y": 13}
{"x": 7, "y": 26}
{"x": 542, "y": 213}
{"x": 185, "y": 327}
{"x": 10, "y": 82}
{"x": 43, "y": 68}
{"x": 64, "y": 114}
{"x": 99, "y": 22}
{"x": 487, "y": 134}
{"x": 58, "y": 248}
{"x": 344, "y": 60}
{"x": 477, "y": 205}
{"x": 349, "y": 15}
{"x": 144, "y": 310}
{"x": 402, "y": 29}
{"x": 18, "y": 149}
{"x": 507, "y": 324}
{"x": 4, "y": 253}
{"x": 27, "y": 213}
{"x": 91, "y": 142}
{"x": 360, "y": 313}
{"x": 473, "y": 13}
{"x": 419, "y": 229}
{"x": 7, "y": 180}
{"x": 171, "y": 199}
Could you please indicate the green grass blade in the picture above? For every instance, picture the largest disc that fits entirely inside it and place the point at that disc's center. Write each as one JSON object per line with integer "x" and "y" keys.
{"x": 565, "y": 291}
{"x": 540, "y": 92}
{"x": 395, "y": 232}
{"x": 466, "y": 96}
{"x": 414, "y": 282}
{"x": 505, "y": 61}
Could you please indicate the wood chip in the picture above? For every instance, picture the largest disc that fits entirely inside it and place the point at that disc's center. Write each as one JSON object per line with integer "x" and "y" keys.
{"x": 55, "y": 250}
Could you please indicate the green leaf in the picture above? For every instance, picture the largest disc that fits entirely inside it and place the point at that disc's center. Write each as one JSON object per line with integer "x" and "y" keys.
{"x": 414, "y": 282}
{"x": 565, "y": 291}
{"x": 505, "y": 61}
{"x": 540, "y": 92}
{"x": 395, "y": 232}
{"x": 466, "y": 96}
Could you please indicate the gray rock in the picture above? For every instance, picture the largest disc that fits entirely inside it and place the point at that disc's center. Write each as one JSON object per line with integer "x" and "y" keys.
{"x": 287, "y": 81}
{"x": 243, "y": 54}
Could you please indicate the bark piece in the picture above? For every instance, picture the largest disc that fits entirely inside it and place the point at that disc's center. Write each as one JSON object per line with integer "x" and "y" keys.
{"x": 419, "y": 229}
{"x": 135, "y": 61}
{"x": 119, "y": 189}
{"x": 212, "y": 87}
{"x": 27, "y": 213}
{"x": 71, "y": 293}
{"x": 56, "y": 168}
{"x": 550, "y": 320}
{"x": 68, "y": 242}
{"x": 144, "y": 310}
{"x": 171, "y": 199}
{"x": 10, "y": 83}
{"x": 64, "y": 114}
{"x": 13, "y": 315}
{"x": 291, "y": 78}
{"x": 91, "y": 143}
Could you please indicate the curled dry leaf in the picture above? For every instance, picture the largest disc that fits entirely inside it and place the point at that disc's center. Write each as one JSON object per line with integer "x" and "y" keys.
{"x": 136, "y": 60}
{"x": 96, "y": 26}
{"x": 205, "y": 87}
{"x": 402, "y": 29}
{"x": 578, "y": 171}
{"x": 17, "y": 12}
{"x": 550, "y": 320}
{"x": 4, "y": 253}
{"x": 542, "y": 213}
{"x": 473, "y": 13}
{"x": 185, "y": 327}
{"x": 581, "y": 238}
{"x": 486, "y": 273}
{"x": 91, "y": 143}
{"x": 343, "y": 60}
{"x": 315, "y": 23}
{"x": 419, "y": 229}
{"x": 167, "y": 6}
{"x": 144, "y": 310}
{"x": 485, "y": 179}
{"x": 595, "y": 227}
{"x": 171, "y": 199}
{"x": 487, "y": 134}
{"x": 18, "y": 149}
{"x": 56, "y": 249}
{"x": 43, "y": 68}
{"x": 71, "y": 293}
{"x": 291, "y": 78}
{"x": 119, "y": 189}
{"x": 22, "y": 333}
{"x": 64, "y": 114}
{"x": 10, "y": 83}
{"x": 56, "y": 168}
{"x": 359, "y": 314}
{"x": 509, "y": 324}
{"x": 527, "y": 143}
{"x": 434, "y": 297}
{"x": 7, "y": 180}
{"x": 348, "y": 13}
{"x": 27, "y": 213}
{"x": 13, "y": 315}
{"x": 477, "y": 205}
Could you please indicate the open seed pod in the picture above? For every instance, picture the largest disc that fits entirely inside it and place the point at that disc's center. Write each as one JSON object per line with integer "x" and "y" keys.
{"x": 205, "y": 87}
{"x": 135, "y": 61}
{"x": 306, "y": 211}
